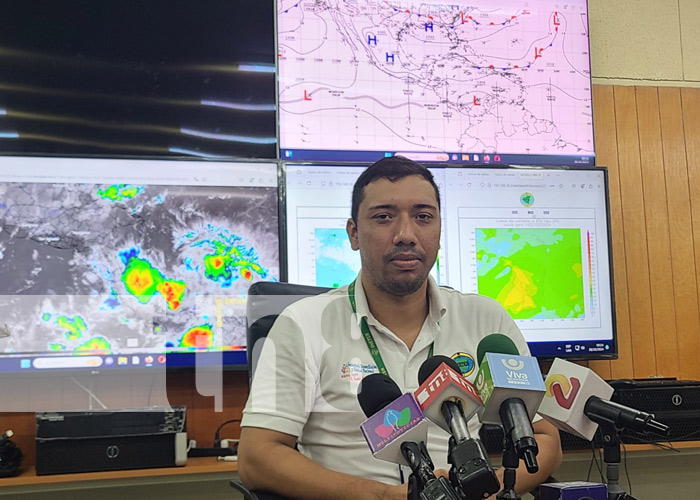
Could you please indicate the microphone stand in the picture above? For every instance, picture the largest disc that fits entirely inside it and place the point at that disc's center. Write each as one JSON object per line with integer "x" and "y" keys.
{"x": 612, "y": 418}
{"x": 422, "y": 483}
{"x": 510, "y": 465}
{"x": 612, "y": 458}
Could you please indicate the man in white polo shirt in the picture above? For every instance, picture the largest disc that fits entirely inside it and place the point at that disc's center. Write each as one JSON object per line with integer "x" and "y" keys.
{"x": 304, "y": 390}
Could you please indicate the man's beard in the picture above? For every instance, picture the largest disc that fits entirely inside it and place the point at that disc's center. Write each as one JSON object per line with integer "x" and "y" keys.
{"x": 400, "y": 288}
{"x": 397, "y": 287}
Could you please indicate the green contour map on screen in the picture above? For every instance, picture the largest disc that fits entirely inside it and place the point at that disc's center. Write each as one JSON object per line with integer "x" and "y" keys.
{"x": 533, "y": 273}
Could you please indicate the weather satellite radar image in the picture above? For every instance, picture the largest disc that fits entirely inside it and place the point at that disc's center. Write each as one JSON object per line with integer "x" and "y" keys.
{"x": 111, "y": 267}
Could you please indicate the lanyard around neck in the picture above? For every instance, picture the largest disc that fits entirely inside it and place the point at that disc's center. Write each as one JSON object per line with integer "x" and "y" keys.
{"x": 367, "y": 334}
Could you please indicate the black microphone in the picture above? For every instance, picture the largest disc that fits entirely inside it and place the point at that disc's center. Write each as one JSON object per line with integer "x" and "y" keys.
{"x": 471, "y": 474}
{"x": 512, "y": 388}
{"x": 578, "y": 401}
{"x": 375, "y": 392}
{"x": 622, "y": 417}
{"x": 423, "y": 484}
{"x": 517, "y": 426}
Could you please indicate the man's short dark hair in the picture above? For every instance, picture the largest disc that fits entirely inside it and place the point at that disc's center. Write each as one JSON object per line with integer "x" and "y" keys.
{"x": 392, "y": 168}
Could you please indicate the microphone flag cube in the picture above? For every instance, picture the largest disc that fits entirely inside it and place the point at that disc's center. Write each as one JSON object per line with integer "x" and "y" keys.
{"x": 503, "y": 376}
{"x": 568, "y": 388}
{"x": 401, "y": 420}
{"x": 445, "y": 384}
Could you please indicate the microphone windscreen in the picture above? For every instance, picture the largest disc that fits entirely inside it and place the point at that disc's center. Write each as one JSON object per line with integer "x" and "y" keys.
{"x": 375, "y": 392}
{"x": 431, "y": 364}
{"x": 497, "y": 343}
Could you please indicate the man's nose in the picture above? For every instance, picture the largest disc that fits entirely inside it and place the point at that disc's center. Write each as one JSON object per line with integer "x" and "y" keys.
{"x": 405, "y": 231}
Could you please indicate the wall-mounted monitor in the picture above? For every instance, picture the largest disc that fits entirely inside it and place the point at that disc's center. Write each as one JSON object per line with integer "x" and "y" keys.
{"x": 127, "y": 77}
{"x": 538, "y": 241}
{"x": 500, "y": 82}
{"x": 111, "y": 264}
{"x": 535, "y": 239}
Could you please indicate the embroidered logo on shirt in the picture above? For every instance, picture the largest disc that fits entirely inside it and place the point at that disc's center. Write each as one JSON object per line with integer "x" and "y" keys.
{"x": 465, "y": 361}
{"x": 355, "y": 372}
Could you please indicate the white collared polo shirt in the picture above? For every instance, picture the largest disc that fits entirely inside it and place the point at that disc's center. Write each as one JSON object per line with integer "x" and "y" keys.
{"x": 309, "y": 369}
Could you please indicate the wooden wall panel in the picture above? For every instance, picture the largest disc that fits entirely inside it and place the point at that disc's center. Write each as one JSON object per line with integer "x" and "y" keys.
{"x": 202, "y": 417}
{"x": 658, "y": 241}
{"x": 635, "y": 232}
{"x": 655, "y": 221}
{"x": 685, "y": 289}
{"x": 691, "y": 119}
{"x": 606, "y": 152}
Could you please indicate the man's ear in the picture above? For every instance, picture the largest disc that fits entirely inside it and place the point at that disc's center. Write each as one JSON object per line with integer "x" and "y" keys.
{"x": 351, "y": 228}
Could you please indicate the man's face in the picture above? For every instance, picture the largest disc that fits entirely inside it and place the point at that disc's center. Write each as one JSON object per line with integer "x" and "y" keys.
{"x": 397, "y": 233}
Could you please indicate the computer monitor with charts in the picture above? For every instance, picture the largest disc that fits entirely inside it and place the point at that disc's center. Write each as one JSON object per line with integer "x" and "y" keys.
{"x": 117, "y": 263}
{"x": 535, "y": 239}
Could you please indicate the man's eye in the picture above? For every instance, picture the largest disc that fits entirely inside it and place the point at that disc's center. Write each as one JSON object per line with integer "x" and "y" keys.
{"x": 424, "y": 216}
{"x": 382, "y": 217}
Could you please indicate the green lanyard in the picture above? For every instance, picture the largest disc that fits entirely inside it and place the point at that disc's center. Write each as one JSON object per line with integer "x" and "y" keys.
{"x": 369, "y": 339}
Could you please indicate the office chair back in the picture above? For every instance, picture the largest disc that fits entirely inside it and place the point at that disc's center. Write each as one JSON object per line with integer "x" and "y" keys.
{"x": 266, "y": 300}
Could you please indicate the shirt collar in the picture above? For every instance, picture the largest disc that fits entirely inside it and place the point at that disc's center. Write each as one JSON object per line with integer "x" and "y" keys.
{"x": 436, "y": 306}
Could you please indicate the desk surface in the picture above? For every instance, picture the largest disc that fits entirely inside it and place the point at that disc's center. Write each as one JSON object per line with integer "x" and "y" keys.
{"x": 209, "y": 465}
{"x": 208, "y": 474}
{"x": 678, "y": 445}
{"x": 198, "y": 465}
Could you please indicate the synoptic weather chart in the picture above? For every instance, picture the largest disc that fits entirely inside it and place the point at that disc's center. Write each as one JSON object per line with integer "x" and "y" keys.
{"x": 106, "y": 268}
{"x": 403, "y": 76}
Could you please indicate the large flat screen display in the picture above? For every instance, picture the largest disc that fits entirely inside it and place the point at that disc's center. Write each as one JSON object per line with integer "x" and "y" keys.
{"x": 142, "y": 78}
{"x": 114, "y": 263}
{"x": 502, "y": 82}
{"x": 535, "y": 239}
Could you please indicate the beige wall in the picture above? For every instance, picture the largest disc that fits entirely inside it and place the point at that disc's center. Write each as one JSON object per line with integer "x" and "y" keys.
{"x": 645, "y": 42}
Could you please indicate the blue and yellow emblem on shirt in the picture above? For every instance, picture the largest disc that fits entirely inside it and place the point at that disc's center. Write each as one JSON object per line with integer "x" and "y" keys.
{"x": 465, "y": 362}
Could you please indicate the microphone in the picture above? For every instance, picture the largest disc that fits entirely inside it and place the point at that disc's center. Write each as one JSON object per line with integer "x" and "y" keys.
{"x": 511, "y": 388}
{"x": 449, "y": 400}
{"x": 392, "y": 418}
{"x": 396, "y": 432}
{"x": 440, "y": 380}
{"x": 577, "y": 401}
